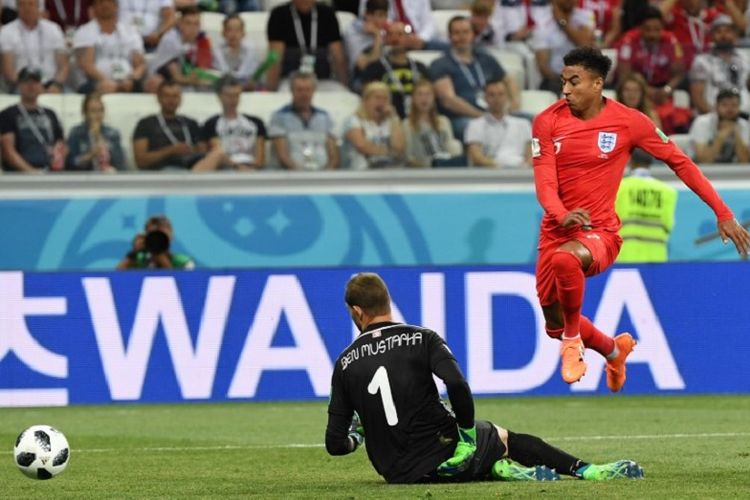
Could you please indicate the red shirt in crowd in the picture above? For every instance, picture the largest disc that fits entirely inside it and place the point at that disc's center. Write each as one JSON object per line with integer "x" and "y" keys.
{"x": 653, "y": 62}
{"x": 693, "y": 32}
{"x": 580, "y": 163}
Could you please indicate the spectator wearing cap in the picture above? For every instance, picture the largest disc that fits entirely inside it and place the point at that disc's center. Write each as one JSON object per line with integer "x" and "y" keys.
{"x": 32, "y": 40}
{"x": 30, "y": 135}
{"x": 690, "y": 21}
{"x": 723, "y": 67}
{"x": 721, "y": 136}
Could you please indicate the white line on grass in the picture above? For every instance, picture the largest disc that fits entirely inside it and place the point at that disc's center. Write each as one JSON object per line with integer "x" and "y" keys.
{"x": 320, "y": 445}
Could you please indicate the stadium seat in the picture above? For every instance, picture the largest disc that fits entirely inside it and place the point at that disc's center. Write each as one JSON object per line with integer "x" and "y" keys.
{"x": 344, "y": 19}
{"x": 425, "y": 56}
{"x": 212, "y": 23}
{"x": 441, "y": 18}
{"x": 123, "y": 111}
{"x": 610, "y": 94}
{"x": 512, "y": 63}
{"x": 67, "y": 107}
{"x": 255, "y": 31}
{"x": 681, "y": 98}
{"x": 612, "y": 54}
{"x": 535, "y": 101}
{"x": 267, "y": 5}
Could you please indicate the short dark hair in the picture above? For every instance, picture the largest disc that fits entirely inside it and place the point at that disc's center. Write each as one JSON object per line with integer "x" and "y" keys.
{"x": 456, "y": 19}
{"x": 652, "y": 13}
{"x": 232, "y": 17}
{"x": 167, "y": 83}
{"x": 368, "y": 291}
{"x": 375, "y": 6}
{"x": 590, "y": 58}
{"x": 730, "y": 93}
{"x": 226, "y": 81}
{"x": 493, "y": 81}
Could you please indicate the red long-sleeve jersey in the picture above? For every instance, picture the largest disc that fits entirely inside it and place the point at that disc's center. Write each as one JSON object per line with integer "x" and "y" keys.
{"x": 580, "y": 163}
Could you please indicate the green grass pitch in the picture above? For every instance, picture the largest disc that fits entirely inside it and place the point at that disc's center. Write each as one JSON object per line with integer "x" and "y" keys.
{"x": 690, "y": 447}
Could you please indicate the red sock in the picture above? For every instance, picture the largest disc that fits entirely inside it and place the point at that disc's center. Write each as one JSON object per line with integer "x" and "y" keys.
{"x": 570, "y": 284}
{"x": 594, "y": 339}
{"x": 554, "y": 333}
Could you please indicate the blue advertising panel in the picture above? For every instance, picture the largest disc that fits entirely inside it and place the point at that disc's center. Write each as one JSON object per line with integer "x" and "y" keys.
{"x": 412, "y": 229}
{"x": 68, "y": 338}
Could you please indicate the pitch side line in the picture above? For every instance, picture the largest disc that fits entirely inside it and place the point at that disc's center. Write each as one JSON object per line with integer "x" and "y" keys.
{"x": 320, "y": 445}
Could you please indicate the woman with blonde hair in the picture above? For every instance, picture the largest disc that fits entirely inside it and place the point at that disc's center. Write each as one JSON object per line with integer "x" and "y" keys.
{"x": 429, "y": 136}
{"x": 632, "y": 92}
{"x": 373, "y": 137}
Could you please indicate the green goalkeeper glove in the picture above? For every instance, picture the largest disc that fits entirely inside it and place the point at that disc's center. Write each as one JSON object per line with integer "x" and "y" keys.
{"x": 356, "y": 432}
{"x": 461, "y": 459}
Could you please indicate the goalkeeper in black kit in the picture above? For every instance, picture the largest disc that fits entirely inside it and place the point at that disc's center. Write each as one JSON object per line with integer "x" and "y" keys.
{"x": 383, "y": 388}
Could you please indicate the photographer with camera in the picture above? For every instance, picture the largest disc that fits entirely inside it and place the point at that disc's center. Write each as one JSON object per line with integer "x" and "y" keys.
{"x": 151, "y": 248}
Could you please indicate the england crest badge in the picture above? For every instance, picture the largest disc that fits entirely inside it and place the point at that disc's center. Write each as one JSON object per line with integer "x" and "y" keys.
{"x": 607, "y": 141}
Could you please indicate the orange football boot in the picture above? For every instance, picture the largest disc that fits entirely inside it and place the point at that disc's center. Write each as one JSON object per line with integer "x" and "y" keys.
{"x": 573, "y": 366}
{"x": 616, "y": 367}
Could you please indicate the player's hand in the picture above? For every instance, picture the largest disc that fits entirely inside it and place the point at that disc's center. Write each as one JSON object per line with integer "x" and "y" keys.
{"x": 356, "y": 432}
{"x": 461, "y": 459}
{"x": 733, "y": 230}
{"x": 577, "y": 216}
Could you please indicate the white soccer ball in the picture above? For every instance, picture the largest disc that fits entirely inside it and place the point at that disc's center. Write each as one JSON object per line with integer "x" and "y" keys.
{"x": 41, "y": 452}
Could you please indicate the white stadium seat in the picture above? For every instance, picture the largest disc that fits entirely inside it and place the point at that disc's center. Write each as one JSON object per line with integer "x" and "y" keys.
{"x": 425, "y": 56}
{"x": 441, "y": 18}
{"x": 212, "y": 23}
{"x": 535, "y": 101}
{"x": 682, "y": 141}
{"x": 255, "y": 31}
{"x": 67, "y": 107}
{"x": 512, "y": 63}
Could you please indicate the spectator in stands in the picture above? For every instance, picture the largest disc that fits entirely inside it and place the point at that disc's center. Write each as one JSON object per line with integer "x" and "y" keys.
{"x": 690, "y": 21}
{"x": 68, "y": 14}
{"x": 152, "y": 19}
{"x": 241, "y": 137}
{"x": 461, "y": 74}
{"x": 396, "y": 69}
{"x": 606, "y": 19}
{"x": 94, "y": 145}
{"x": 30, "y": 135}
{"x": 633, "y": 93}
{"x": 656, "y": 54}
{"x": 185, "y": 56}
{"x": 497, "y": 139}
{"x": 416, "y": 15}
{"x": 373, "y": 134}
{"x": 152, "y": 248}
{"x": 301, "y": 134}
{"x": 109, "y": 53}
{"x": 510, "y": 22}
{"x": 428, "y": 135}
{"x": 484, "y": 31}
{"x": 236, "y": 54}
{"x": 172, "y": 141}
{"x": 230, "y": 7}
{"x": 31, "y": 40}
{"x": 306, "y": 36}
{"x": 363, "y": 39}
{"x": 559, "y": 30}
{"x": 721, "y": 136}
{"x": 723, "y": 67}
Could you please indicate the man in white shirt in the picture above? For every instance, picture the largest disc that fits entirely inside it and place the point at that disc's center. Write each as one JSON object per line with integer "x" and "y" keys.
{"x": 417, "y": 17}
{"x": 31, "y": 41}
{"x": 563, "y": 28}
{"x": 109, "y": 53}
{"x": 497, "y": 139}
{"x": 722, "y": 136}
{"x": 150, "y": 18}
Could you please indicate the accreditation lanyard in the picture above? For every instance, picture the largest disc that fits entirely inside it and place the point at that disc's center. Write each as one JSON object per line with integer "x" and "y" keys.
{"x": 301, "y": 34}
{"x": 62, "y": 13}
{"x": 397, "y": 83}
{"x": 652, "y": 59}
{"x": 34, "y": 129}
{"x": 168, "y": 132}
{"x": 476, "y": 85}
{"x": 697, "y": 29}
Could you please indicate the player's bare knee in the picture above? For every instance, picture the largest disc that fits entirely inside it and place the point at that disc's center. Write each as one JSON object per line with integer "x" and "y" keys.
{"x": 503, "y": 435}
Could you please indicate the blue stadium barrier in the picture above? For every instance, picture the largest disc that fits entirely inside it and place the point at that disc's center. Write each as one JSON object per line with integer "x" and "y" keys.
{"x": 72, "y": 338}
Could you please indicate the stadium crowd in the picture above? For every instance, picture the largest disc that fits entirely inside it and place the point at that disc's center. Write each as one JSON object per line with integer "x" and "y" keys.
{"x": 350, "y": 84}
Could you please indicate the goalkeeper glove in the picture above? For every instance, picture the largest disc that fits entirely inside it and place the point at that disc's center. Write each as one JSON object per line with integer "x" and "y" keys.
{"x": 461, "y": 459}
{"x": 356, "y": 432}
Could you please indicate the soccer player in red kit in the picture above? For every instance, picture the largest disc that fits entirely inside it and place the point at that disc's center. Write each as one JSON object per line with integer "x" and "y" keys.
{"x": 580, "y": 147}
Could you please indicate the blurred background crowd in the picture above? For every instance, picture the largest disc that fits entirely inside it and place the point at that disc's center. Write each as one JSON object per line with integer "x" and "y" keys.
{"x": 123, "y": 85}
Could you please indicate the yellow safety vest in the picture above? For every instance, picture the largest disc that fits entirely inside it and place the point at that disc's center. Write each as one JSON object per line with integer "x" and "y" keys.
{"x": 646, "y": 207}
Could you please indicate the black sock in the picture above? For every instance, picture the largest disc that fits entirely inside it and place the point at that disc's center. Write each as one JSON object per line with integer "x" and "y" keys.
{"x": 530, "y": 450}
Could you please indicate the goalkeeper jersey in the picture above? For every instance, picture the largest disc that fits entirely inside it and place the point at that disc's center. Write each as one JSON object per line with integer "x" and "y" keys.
{"x": 385, "y": 375}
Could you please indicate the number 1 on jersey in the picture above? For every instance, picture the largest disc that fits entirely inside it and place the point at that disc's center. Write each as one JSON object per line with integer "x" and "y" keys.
{"x": 380, "y": 383}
